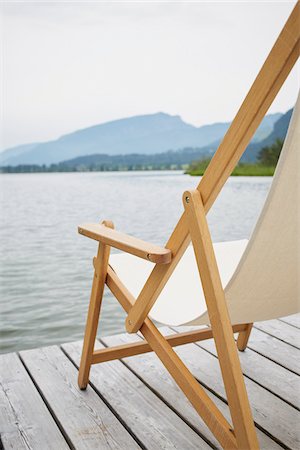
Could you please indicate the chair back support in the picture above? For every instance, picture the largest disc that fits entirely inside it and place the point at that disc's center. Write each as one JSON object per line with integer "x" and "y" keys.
{"x": 266, "y": 283}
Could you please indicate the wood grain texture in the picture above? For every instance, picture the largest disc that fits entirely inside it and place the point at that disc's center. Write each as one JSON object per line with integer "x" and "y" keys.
{"x": 243, "y": 337}
{"x": 100, "y": 270}
{"x": 126, "y": 243}
{"x": 293, "y": 320}
{"x": 141, "y": 410}
{"x": 139, "y": 347}
{"x": 275, "y": 349}
{"x": 25, "y": 422}
{"x": 281, "y": 330}
{"x": 87, "y": 421}
{"x": 220, "y": 321}
{"x": 274, "y": 415}
{"x": 279, "y": 380}
{"x": 152, "y": 371}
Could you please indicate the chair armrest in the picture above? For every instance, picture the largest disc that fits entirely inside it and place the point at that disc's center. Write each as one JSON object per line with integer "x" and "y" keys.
{"x": 129, "y": 244}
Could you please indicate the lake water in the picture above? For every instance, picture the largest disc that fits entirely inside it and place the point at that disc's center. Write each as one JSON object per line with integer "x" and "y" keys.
{"x": 46, "y": 267}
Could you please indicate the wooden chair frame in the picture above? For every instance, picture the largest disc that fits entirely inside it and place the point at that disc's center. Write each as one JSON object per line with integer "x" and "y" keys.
{"x": 193, "y": 226}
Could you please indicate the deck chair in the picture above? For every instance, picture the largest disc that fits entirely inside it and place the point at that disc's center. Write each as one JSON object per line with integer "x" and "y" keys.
{"x": 242, "y": 282}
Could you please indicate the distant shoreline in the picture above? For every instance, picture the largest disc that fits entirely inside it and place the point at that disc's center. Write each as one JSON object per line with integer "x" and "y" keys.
{"x": 243, "y": 170}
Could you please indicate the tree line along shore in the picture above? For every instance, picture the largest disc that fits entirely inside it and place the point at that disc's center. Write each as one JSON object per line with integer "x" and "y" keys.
{"x": 263, "y": 166}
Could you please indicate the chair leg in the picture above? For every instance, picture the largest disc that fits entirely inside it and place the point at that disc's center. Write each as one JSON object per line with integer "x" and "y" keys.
{"x": 100, "y": 272}
{"x": 220, "y": 323}
{"x": 243, "y": 337}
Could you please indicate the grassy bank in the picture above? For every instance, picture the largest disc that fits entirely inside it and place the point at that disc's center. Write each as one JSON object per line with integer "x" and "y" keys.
{"x": 242, "y": 170}
{"x": 266, "y": 161}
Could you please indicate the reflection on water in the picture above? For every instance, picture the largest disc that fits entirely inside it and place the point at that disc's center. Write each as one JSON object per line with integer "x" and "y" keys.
{"x": 46, "y": 267}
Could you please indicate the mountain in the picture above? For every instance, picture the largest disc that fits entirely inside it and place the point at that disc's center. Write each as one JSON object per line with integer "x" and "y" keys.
{"x": 15, "y": 152}
{"x": 266, "y": 127}
{"x": 147, "y": 134}
{"x": 279, "y": 132}
{"x": 182, "y": 156}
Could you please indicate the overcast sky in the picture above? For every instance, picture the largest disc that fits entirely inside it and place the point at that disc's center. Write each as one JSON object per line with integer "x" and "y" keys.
{"x": 69, "y": 65}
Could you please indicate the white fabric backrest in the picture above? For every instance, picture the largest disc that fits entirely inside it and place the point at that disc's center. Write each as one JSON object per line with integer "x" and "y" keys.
{"x": 266, "y": 283}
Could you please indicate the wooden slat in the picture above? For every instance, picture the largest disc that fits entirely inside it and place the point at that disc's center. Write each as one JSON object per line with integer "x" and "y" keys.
{"x": 293, "y": 320}
{"x": 149, "y": 368}
{"x": 86, "y": 419}
{"x": 139, "y": 347}
{"x": 271, "y": 77}
{"x": 276, "y": 350}
{"x": 126, "y": 243}
{"x": 25, "y": 422}
{"x": 272, "y": 414}
{"x": 280, "y": 330}
{"x": 141, "y": 410}
{"x": 277, "y": 379}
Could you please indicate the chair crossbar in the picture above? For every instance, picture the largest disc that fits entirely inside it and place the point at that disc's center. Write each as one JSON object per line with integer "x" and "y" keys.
{"x": 138, "y": 348}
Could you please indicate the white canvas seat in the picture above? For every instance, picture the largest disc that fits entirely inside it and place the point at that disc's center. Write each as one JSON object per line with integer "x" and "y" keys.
{"x": 261, "y": 279}
{"x": 182, "y": 299}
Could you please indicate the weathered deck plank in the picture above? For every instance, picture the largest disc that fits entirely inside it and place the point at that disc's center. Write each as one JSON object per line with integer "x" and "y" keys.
{"x": 266, "y": 373}
{"x": 85, "y": 418}
{"x": 275, "y": 349}
{"x": 134, "y": 403}
{"x": 293, "y": 320}
{"x": 25, "y": 422}
{"x": 149, "y": 418}
{"x": 281, "y": 330}
{"x": 282, "y": 424}
{"x": 151, "y": 371}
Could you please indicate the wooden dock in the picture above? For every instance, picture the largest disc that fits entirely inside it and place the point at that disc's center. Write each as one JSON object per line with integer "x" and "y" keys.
{"x": 134, "y": 404}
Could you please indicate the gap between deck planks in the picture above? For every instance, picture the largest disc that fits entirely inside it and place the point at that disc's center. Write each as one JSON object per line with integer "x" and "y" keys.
{"x": 147, "y": 416}
{"x": 281, "y": 330}
{"x": 264, "y": 371}
{"x": 153, "y": 373}
{"x": 134, "y": 403}
{"x": 25, "y": 420}
{"x": 83, "y": 415}
{"x": 293, "y": 320}
{"x": 281, "y": 424}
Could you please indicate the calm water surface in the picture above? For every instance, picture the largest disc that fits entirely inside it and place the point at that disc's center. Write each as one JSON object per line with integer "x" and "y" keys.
{"x": 46, "y": 267}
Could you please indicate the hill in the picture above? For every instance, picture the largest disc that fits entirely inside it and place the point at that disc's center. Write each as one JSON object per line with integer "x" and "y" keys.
{"x": 147, "y": 134}
{"x": 279, "y": 132}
